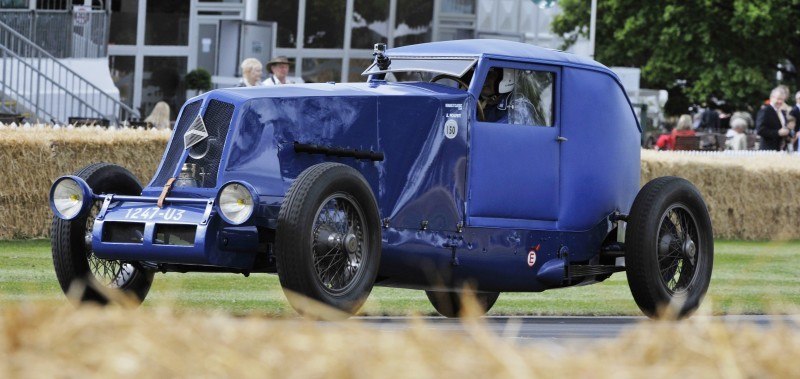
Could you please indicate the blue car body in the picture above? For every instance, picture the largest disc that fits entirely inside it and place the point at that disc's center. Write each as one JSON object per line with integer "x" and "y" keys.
{"x": 505, "y": 207}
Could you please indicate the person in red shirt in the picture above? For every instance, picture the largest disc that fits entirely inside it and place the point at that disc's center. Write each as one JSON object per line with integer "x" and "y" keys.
{"x": 684, "y": 128}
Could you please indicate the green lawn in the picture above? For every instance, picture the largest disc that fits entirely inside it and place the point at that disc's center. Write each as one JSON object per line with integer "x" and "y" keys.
{"x": 749, "y": 277}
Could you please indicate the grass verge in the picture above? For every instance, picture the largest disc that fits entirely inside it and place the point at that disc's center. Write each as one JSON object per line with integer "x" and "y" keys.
{"x": 749, "y": 278}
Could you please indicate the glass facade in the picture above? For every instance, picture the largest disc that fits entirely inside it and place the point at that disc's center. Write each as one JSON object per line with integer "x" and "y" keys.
{"x": 167, "y": 23}
{"x": 370, "y": 23}
{"x": 357, "y": 66}
{"x": 321, "y": 70}
{"x": 122, "y": 71}
{"x": 458, "y": 6}
{"x": 163, "y": 81}
{"x": 414, "y": 22}
{"x": 123, "y": 16}
{"x": 324, "y": 24}
{"x": 284, "y": 12}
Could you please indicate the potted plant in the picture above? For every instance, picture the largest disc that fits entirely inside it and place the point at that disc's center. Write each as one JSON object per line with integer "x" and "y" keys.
{"x": 198, "y": 81}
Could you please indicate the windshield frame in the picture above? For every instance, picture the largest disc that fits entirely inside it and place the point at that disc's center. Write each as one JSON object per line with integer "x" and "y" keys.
{"x": 469, "y": 63}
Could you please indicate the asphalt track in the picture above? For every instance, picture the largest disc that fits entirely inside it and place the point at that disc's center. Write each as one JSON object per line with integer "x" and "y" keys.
{"x": 560, "y": 329}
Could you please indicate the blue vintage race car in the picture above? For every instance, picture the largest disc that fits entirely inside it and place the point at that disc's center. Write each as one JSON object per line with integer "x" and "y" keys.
{"x": 492, "y": 165}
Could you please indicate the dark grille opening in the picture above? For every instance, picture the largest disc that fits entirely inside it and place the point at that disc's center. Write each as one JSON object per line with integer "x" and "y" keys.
{"x": 217, "y": 119}
{"x": 173, "y": 154}
{"x": 176, "y": 235}
{"x": 123, "y": 232}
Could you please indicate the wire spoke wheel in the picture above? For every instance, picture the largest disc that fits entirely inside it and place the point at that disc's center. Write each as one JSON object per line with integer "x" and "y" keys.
{"x": 328, "y": 240}
{"x": 112, "y": 274}
{"x": 669, "y": 248}
{"x": 338, "y": 242}
{"x": 73, "y": 257}
{"x": 677, "y": 248}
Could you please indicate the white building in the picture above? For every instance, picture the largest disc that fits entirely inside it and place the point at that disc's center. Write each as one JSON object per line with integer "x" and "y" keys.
{"x": 328, "y": 40}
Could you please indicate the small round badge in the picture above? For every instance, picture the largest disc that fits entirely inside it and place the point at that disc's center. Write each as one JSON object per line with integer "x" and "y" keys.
{"x": 450, "y": 129}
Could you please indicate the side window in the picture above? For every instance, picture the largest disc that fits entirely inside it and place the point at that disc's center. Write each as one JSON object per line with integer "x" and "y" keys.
{"x": 518, "y": 97}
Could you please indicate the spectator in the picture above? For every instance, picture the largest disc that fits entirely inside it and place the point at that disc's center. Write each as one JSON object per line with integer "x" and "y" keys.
{"x": 738, "y": 141}
{"x": 795, "y": 112}
{"x": 279, "y": 68}
{"x": 684, "y": 128}
{"x": 771, "y": 121}
{"x": 251, "y": 73}
{"x": 709, "y": 119}
{"x": 790, "y": 140}
{"x": 159, "y": 117}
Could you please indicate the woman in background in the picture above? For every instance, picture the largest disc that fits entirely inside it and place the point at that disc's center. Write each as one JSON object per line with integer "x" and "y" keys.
{"x": 684, "y": 128}
{"x": 159, "y": 117}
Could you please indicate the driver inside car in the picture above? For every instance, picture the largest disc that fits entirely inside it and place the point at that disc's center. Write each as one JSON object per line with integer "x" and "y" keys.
{"x": 500, "y": 103}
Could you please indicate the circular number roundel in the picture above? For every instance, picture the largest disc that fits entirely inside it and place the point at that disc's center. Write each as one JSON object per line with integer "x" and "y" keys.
{"x": 450, "y": 129}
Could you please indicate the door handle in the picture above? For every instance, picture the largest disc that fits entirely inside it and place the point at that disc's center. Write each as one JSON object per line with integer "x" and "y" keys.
{"x": 561, "y": 139}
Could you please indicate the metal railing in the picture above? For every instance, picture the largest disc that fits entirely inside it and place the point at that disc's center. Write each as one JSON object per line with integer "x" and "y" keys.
{"x": 35, "y": 80}
{"x": 61, "y": 32}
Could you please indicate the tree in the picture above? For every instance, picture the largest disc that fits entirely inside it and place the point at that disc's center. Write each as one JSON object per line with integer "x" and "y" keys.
{"x": 728, "y": 49}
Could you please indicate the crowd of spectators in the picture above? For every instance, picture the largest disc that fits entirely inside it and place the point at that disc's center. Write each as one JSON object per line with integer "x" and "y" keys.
{"x": 773, "y": 129}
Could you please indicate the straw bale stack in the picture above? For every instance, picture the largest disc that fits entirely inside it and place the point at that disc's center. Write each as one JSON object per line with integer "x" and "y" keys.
{"x": 749, "y": 197}
{"x": 40, "y": 342}
{"x": 33, "y": 157}
{"x": 752, "y": 196}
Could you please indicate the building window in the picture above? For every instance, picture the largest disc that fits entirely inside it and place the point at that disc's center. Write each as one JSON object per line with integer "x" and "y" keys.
{"x": 163, "y": 81}
{"x": 284, "y": 12}
{"x": 414, "y": 22}
{"x": 319, "y": 70}
{"x": 123, "y": 22}
{"x": 324, "y": 24}
{"x": 357, "y": 66}
{"x": 458, "y": 6}
{"x": 122, "y": 69}
{"x": 167, "y": 23}
{"x": 370, "y": 23}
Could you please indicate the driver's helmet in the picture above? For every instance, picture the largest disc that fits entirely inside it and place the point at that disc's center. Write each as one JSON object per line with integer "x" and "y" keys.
{"x": 506, "y": 84}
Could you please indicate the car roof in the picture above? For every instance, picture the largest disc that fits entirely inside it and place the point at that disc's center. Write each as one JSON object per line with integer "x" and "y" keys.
{"x": 497, "y": 48}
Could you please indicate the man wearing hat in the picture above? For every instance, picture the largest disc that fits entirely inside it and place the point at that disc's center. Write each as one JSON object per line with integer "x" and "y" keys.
{"x": 279, "y": 67}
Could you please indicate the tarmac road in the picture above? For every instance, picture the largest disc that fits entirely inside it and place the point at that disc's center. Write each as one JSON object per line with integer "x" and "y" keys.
{"x": 560, "y": 329}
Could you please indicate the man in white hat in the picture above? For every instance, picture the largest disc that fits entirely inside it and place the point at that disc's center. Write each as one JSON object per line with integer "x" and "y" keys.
{"x": 279, "y": 67}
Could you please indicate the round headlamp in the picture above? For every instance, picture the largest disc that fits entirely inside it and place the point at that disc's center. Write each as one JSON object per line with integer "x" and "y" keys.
{"x": 236, "y": 202}
{"x": 70, "y": 197}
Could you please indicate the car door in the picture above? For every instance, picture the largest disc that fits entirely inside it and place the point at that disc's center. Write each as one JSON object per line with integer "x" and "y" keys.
{"x": 514, "y": 147}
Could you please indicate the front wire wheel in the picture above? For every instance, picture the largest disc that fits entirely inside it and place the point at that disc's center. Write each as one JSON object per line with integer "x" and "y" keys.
{"x": 71, "y": 242}
{"x": 107, "y": 273}
{"x": 338, "y": 243}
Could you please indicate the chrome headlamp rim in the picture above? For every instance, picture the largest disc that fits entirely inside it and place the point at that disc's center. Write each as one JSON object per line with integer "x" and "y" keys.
{"x": 85, "y": 193}
{"x": 253, "y": 202}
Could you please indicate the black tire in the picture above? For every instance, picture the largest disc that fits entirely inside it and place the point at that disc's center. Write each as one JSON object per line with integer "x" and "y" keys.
{"x": 311, "y": 250}
{"x": 73, "y": 258}
{"x": 669, "y": 248}
{"x": 449, "y": 304}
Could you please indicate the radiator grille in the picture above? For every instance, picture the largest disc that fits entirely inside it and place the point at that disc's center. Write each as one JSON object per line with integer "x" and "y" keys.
{"x": 175, "y": 150}
{"x": 217, "y": 119}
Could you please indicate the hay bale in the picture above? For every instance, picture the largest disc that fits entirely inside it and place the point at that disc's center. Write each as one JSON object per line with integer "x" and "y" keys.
{"x": 101, "y": 343}
{"x": 751, "y": 197}
{"x": 34, "y": 157}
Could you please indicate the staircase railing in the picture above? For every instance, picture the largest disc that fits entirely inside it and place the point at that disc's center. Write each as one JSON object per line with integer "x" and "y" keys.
{"x": 51, "y": 90}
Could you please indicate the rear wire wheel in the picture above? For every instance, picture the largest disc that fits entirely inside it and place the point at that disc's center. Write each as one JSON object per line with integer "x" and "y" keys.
{"x": 450, "y": 303}
{"x": 669, "y": 248}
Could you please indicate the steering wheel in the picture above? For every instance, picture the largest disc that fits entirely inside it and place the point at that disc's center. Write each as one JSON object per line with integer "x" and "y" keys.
{"x": 456, "y": 79}
{"x": 461, "y": 83}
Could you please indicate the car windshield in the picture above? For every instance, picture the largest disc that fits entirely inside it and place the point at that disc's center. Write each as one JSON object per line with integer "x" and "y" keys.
{"x": 416, "y": 68}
